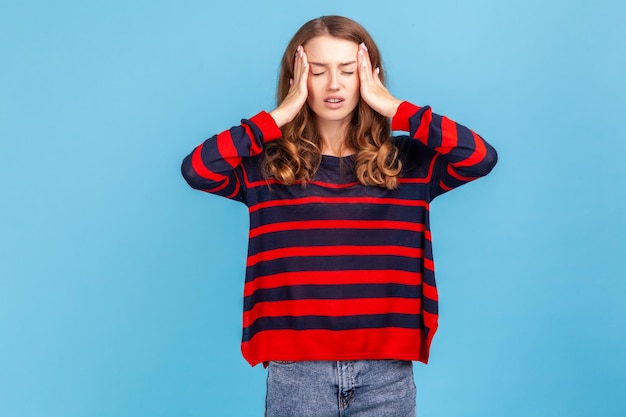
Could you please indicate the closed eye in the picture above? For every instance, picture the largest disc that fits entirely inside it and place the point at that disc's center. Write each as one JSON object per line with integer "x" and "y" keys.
{"x": 324, "y": 72}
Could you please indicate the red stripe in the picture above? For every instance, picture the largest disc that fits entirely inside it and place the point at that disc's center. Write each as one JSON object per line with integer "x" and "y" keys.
{"x": 457, "y": 176}
{"x": 444, "y": 186}
{"x": 252, "y": 184}
{"x": 449, "y": 139}
{"x": 271, "y": 181}
{"x": 332, "y": 308}
{"x": 332, "y": 277}
{"x": 269, "y": 130}
{"x": 421, "y": 133}
{"x": 227, "y": 149}
{"x": 428, "y": 264}
{"x": 430, "y": 320}
{"x": 234, "y": 193}
{"x": 427, "y": 179}
{"x": 201, "y": 169}
{"x": 422, "y": 180}
{"x": 430, "y": 292}
{"x": 255, "y": 148}
{"x": 338, "y": 200}
{"x": 218, "y": 188}
{"x": 336, "y": 224}
{"x": 309, "y": 251}
{"x": 396, "y": 343}
{"x": 401, "y": 120}
{"x": 478, "y": 155}
{"x": 330, "y": 185}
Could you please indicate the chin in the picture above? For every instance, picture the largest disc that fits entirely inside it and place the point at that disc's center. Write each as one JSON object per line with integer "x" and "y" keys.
{"x": 334, "y": 116}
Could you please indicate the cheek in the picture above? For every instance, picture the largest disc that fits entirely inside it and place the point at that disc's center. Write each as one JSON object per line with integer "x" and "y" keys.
{"x": 356, "y": 86}
{"x": 312, "y": 88}
{"x": 313, "y": 83}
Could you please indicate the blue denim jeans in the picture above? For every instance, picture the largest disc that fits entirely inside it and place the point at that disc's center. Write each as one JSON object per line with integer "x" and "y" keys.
{"x": 367, "y": 388}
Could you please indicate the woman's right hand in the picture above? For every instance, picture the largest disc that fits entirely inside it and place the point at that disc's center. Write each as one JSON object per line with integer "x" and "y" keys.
{"x": 298, "y": 92}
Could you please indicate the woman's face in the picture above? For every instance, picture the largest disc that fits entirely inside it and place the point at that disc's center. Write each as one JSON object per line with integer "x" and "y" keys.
{"x": 333, "y": 80}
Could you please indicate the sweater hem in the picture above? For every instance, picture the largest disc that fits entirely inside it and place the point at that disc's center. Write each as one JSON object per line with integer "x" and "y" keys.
{"x": 347, "y": 357}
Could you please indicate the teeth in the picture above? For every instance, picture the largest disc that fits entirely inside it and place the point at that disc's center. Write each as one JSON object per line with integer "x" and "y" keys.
{"x": 333, "y": 100}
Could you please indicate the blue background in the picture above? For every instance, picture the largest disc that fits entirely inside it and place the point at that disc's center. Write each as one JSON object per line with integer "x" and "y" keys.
{"x": 120, "y": 287}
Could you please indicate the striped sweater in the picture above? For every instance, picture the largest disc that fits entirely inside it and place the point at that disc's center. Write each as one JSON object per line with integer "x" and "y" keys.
{"x": 337, "y": 270}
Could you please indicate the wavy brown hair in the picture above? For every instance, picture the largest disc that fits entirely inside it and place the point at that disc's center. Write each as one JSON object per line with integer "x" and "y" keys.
{"x": 297, "y": 155}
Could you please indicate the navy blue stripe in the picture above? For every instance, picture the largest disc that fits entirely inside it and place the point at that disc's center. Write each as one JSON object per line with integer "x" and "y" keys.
{"x": 416, "y": 158}
{"x": 434, "y": 131}
{"x": 331, "y": 292}
{"x": 334, "y": 263}
{"x": 406, "y": 191}
{"x": 370, "y": 321}
{"x": 441, "y": 167}
{"x": 241, "y": 141}
{"x": 427, "y": 248}
{"x": 211, "y": 157}
{"x": 327, "y": 211}
{"x": 278, "y": 191}
{"x": 465, "y": 137}
{"x": 451, "y": 182}
{"x": 335, "y": 237}
{"x": 430, "y": 306}
{"x": 428, "y": 277}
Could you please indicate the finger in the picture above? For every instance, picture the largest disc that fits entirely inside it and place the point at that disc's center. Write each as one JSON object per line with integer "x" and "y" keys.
{"x": 297, "y": 66}
{"x": 365, "y": 56}
{"x": 361, "y": 64}
{"x": 302, "y": 57}
{"x": 365, "y": 65}
{"x": 296, "y": 61}
{"x": 305, "y": 68}
{"x": 301, "y": 65}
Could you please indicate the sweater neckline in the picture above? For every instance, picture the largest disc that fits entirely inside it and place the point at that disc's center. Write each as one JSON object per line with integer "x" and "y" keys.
{"x": 336, "y": 160}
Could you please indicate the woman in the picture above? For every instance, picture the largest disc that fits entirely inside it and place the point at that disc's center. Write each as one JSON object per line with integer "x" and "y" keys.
{"x": 340, "y": 293}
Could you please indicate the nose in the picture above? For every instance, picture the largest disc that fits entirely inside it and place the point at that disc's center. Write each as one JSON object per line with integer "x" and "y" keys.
{"x": 333, "y": 81}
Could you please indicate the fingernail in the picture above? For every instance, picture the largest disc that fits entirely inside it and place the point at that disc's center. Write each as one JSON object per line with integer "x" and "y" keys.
{"x": 377, "y": 70}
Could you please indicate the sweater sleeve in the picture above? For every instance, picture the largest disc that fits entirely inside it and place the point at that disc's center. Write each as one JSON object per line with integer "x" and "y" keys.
{"x": 461, "y": 154}
{"x": 211, "y": 166}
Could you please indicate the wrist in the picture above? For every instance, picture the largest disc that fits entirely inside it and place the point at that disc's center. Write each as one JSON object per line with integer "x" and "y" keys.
{"x": 279, "y": 117}
{"x": 393, "y": 108}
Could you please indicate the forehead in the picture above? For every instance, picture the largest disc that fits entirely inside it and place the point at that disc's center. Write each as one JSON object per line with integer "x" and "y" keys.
{"x": 327, "y": 50}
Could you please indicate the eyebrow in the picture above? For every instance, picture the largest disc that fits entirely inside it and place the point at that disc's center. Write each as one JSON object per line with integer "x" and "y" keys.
{"x": 321, "y": 64}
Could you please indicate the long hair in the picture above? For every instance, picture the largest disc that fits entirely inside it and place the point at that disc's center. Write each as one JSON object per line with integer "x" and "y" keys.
{"x": 297, "y": 155}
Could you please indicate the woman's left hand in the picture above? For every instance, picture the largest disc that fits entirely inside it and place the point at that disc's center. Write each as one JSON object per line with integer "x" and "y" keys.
{"x": 372, "y": 89}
